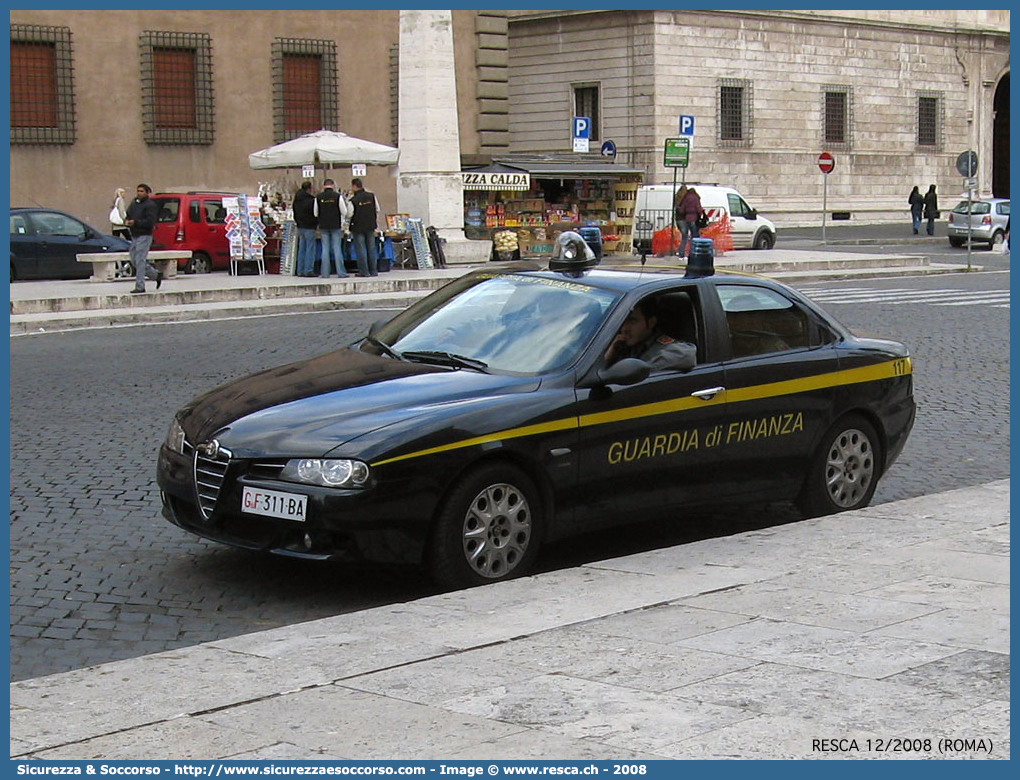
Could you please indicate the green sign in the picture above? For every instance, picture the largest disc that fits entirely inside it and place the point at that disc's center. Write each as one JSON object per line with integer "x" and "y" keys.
{"x": 676, "y": 152}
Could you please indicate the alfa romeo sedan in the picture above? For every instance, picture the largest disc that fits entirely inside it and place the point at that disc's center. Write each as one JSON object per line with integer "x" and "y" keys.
{"x": 490, "y": 417}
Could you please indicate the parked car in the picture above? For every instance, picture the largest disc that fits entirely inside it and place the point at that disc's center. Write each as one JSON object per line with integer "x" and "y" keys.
{"x": 45, "y": 244}
{"x": 195, "y": 222}
{"x": 653, "y": 211}
{"x": 483, "y": 421}
{"x": 986, "y": 221}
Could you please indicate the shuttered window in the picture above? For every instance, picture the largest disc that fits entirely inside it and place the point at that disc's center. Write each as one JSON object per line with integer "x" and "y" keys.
{"x": 929, "y": 120}
{"x": 735, "y": 114}
{"x": 837, "y": 116}
{"x": 177, "y": 91}
{"x": 42, "y": 87}
{"x": 304, "y": 87}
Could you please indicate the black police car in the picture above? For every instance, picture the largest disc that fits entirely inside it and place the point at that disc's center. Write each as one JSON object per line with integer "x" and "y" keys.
{"x": 484, "y": 420}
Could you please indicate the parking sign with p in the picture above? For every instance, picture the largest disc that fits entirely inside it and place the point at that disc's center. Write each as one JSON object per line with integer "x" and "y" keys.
{"x": 581, "y": 133}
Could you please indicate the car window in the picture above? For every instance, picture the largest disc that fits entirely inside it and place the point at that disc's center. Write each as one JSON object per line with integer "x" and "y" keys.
{"x": 214, "y": 211}
{"x": 169, "y": 208}
{"x": 1003, "y": 208}
{"x": 737, "y": 206}
{"x": 763, "y": 321}
{"x": 19, "y": 225}
{"x": 976, "y": 207}
{"x": 49, "y": 223}
{"x": 514, "y": 323}
{"x": 195, "y": 211}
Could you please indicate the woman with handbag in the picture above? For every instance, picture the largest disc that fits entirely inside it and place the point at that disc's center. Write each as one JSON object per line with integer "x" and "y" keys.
{"x": 692, "y": 213}
{"x": 118, "y": 213}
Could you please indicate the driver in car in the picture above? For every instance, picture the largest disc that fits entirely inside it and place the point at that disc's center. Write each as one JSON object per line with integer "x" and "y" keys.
{"x": 639, "y": 337}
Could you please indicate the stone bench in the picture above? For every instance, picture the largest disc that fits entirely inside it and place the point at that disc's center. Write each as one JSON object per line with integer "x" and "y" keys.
{"x": 105, "y": 264}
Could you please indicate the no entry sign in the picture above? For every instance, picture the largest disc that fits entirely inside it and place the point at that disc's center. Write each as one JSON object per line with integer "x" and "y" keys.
{"x": 826, "y": 162}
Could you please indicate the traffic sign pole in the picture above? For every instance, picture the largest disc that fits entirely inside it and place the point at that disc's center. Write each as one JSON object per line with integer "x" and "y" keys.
{"x": 967, "y": 164}
{"x": 826, "y": 162}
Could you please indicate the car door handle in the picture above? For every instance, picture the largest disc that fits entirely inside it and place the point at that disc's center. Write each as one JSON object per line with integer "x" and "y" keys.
{"x": 708, "y": 393}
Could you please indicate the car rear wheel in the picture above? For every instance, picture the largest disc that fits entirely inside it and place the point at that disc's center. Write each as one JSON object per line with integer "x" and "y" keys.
{"x": 488, "y": 528}
{"x": 844, "y": 472}
{"x": 199, "y": 264}
{"x": 764, "y": 240}
{"x": 956, "y": 241}
{"x": 997, "y": 238}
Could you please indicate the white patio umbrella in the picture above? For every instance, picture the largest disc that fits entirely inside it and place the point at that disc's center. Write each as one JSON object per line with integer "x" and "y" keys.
{"x": 324, "y": 147}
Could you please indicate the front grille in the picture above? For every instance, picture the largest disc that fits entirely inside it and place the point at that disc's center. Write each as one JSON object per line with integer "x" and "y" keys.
{"x": 209, "y": 474}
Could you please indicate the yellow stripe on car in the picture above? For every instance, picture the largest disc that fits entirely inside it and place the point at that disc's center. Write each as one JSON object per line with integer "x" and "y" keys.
{"x": 849, "y": 376}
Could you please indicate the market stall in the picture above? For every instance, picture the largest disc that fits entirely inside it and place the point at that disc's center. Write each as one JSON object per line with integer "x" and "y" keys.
{"x": 539, "y": 197}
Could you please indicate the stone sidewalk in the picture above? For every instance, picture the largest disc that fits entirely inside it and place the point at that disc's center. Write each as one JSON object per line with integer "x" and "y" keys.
{"x": 887, "y": 627}
{"x": 48, "y": 306}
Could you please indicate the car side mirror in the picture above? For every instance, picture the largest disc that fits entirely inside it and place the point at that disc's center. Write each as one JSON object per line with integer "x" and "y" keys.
{"x": 753, "y": 214}
{"x": 628, "y": 371}
{"x": 377, "y": 326}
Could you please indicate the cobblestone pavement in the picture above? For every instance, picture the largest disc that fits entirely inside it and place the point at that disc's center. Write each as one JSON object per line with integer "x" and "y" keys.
{"x": 97, "y": 574}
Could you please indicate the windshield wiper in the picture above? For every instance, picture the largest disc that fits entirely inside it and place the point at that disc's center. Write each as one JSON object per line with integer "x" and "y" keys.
{"x": 446, "y": 359}
{"x": 386, "y": 348}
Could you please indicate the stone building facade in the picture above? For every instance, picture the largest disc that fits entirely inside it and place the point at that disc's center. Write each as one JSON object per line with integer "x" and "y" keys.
{"x": 102, "y": 119}
{"x": 894, "y": 96}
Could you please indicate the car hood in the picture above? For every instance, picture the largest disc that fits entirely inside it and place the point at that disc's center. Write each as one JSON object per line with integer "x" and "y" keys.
{"x": 315, "y": 405}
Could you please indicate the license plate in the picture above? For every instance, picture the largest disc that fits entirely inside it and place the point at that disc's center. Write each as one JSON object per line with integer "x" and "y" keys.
{"x": 270, "y": 503}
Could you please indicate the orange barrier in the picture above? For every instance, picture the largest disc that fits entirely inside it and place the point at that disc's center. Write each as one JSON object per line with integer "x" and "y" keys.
{"x": 661, "y": 243}
{"x": 721, "y": 234}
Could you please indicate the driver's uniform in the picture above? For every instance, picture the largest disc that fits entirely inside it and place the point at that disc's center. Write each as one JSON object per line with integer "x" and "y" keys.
{"x": 662, "y": 352}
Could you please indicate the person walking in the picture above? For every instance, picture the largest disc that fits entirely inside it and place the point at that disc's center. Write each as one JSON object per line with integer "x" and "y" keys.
{"x": 118, "y": 213}
{"x": 332, "y": 208}
{"x": 678, "y": 216}
{"x": 916, "y": 202}
{"x": 690, "y": 208}
{"x": 363, "y": 226}
{"x": 306, "y": 222}
{"x": 140, "y": 220}
{"x": 931, "y": 209}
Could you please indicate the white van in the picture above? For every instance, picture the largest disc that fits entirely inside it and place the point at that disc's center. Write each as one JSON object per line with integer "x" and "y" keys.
{"x": 653, "y": 211}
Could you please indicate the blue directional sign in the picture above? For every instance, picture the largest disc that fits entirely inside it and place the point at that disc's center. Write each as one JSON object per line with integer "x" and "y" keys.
{"x": 686, "y": 125}
{"x": 608, "y": 149}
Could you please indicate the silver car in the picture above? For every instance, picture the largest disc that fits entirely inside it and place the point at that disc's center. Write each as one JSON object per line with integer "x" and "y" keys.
{"x": 987, "y": 218}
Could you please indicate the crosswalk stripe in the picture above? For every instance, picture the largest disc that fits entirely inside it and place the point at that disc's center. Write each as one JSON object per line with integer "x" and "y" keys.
{"x": 903, "y": 296}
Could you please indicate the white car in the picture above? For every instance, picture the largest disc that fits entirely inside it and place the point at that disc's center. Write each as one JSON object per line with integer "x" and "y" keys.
{"x": 653, "y": 210}
{"x": 987, "y": 222}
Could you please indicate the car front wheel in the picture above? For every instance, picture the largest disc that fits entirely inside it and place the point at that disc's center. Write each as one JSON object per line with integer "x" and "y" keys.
{"x": 764, "y": 240}
{"x": 488, "y": 528}
{"x": 844, "y": 472}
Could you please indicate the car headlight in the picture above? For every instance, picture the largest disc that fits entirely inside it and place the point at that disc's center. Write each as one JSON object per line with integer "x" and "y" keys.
{"x": 175, "y": 438}
{"x": 331, "y": 472}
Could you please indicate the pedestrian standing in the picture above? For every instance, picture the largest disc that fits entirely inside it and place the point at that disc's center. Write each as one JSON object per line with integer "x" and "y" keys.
{"x": 690, "y": 208}
{"x": 332, "y": 208}
{"x": 916, "y": 201}
{"x": 306, "y": 222}
{"x": 118, "y": 213}
{"x": 141, "y": 219}
{"x": 363, "y": 226}
{"x": 931, "y": 209}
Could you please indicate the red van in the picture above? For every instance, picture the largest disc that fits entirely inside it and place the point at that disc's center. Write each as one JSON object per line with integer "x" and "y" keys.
{"x": 195, "y": 221}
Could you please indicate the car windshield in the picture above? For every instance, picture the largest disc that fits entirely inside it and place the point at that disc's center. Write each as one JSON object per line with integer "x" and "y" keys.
{"x": 510, "y": 322}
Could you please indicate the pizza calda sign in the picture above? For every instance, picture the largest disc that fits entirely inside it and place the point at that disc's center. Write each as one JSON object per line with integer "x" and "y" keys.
{"x": 491, "y": 180}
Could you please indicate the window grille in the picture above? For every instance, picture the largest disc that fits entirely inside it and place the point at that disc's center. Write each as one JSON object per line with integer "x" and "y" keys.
{"x": 177, "y": 93}
{"x": 42, "y": 85}
{"x": 586, "y": 103}
{"x": 837, "y": 116}
{"x": 304, "y": 87}
{"x": 929, "y": 120}
{"x": 735, "y": 114}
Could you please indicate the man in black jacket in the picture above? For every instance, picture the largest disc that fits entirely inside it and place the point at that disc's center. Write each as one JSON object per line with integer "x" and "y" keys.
{"x": 363, "y": 225}
{"x": 306, "y": 221}
{"x": 332, "y": 211}
{"x": 141, "y": 219}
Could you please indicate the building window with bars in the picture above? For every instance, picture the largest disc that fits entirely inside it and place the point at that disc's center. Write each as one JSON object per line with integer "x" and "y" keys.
{"x": 177, "y": 92}
{"x": 42, "y": 85}
{"x": 837, "y": 116}
{"x": 304, "y": 87}
{"x": 586, "y": 103}
{"x": 735, "y": 112}
{"x": 929, "y": 120}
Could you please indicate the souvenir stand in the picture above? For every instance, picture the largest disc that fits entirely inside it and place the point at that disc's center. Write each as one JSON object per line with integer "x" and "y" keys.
{"x": 538, "y": 197}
